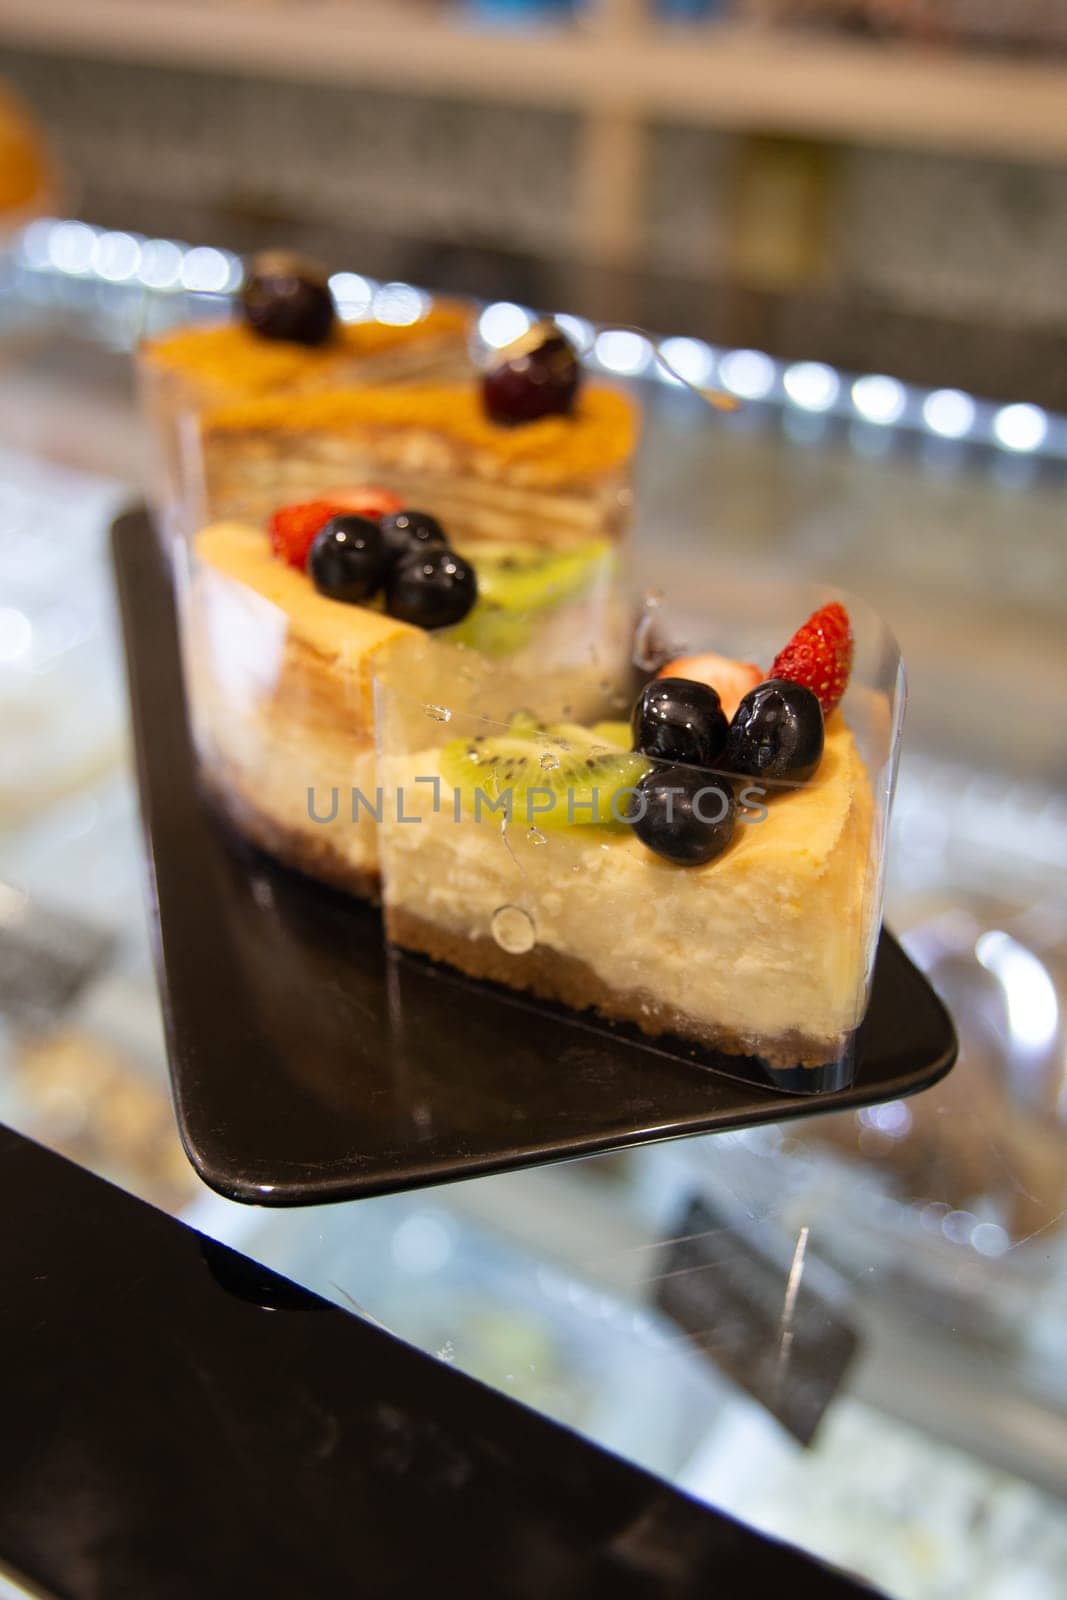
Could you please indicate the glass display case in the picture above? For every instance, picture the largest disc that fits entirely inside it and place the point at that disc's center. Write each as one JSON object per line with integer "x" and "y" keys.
{"x": 846, "y": 1331}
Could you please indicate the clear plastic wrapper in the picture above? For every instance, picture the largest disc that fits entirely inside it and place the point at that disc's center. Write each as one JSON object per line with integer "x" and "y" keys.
{"x": 729, "y": 916}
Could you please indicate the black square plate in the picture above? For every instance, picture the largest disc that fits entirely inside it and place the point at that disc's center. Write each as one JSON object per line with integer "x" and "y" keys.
{"x": 309, "y": 1065}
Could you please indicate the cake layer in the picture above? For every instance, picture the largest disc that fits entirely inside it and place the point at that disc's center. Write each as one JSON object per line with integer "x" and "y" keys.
{"x": 331, "y": 853}
{"x": 557, "y": 481}
{"x": 765, "y": 947}
{"x": 280, "y": 695}
{"x": 554, "y": 450}
{"x": 568, "y": 981}
{"x": 269, "y": 627}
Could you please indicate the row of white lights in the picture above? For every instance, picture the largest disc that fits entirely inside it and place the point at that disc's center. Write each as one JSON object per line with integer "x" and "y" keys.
{"x": 78, "y": 250}
{"x": 808, "y": 386}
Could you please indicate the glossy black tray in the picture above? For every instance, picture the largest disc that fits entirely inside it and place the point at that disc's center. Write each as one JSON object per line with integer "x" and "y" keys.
{"x": 310, "y": 1065}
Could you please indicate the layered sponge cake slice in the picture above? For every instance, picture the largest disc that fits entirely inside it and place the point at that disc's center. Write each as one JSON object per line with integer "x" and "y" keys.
{"x": 559, "y": 480}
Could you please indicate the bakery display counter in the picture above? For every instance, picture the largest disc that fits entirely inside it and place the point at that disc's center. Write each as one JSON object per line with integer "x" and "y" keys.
{"x": 845, "y": 1331}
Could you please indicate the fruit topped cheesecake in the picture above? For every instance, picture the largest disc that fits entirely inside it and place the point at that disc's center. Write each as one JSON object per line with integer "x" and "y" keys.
{"x": 282, "y": 624}
{"x": 526, "y": 453}
{"x": 709, "y": 872}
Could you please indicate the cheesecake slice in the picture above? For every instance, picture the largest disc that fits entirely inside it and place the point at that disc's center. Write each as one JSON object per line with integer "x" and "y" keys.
{"x": 279, "y": 679}
{"x": 761, "y": 952}
{"x": 706, "y": 877}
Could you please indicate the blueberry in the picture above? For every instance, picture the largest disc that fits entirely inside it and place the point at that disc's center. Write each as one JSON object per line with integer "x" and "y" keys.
{"x": 432, "y": 589}
{"x": 777, "y": 732}
{"x": 347, "y": 559}
{"x": 537, "y": 376}
{"x": 406, "y": 533}
{"x": 286, "y": 297}
{"x": 677, "y": 719}
{"x": 688, "y": 817}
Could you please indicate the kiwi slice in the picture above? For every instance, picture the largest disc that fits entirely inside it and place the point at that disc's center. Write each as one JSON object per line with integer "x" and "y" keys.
{"x": 576, "y": 774}
{"x": 616, "y": 733}
{"x": 518, "y": 581}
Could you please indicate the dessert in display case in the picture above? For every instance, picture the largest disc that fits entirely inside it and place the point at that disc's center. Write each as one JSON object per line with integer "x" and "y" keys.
{"x": 331, "y": 526}
{"x": 285, "y": 337}
{"x": 709, "y": 873}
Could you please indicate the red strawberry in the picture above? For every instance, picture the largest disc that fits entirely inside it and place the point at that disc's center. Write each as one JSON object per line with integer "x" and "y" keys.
{"x": 819, "y": 655}
{"x": 293, "y": 528}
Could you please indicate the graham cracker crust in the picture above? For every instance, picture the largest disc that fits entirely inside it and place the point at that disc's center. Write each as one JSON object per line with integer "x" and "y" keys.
{"x": 308, "y": 851}
{"x": 572, "y": 983}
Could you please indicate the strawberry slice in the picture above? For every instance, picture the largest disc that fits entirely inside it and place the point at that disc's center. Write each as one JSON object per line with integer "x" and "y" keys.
{"x": 819, "y": 655}
{"x": 729, "y": 678}
{"x": 293, "y": 528}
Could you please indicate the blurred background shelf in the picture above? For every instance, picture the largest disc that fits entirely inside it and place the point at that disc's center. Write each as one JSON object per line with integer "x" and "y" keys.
{"x": 615, "y": 62}
{"x": 879, "y": 202}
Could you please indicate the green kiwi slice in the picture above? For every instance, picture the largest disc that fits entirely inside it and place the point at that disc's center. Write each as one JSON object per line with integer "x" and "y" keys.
{"x": 549, "y": 777}
{"x": 517, "y": 582}
{"x": 614, "y": 733}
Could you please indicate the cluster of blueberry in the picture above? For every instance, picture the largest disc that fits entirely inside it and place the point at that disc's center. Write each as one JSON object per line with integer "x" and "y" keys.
{"x": 405, "y": 553}
{"x": 686, "y": 807}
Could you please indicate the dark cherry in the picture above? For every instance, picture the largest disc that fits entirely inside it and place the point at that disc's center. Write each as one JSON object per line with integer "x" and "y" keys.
{"x": 677, "y": 719}
{"x": 777, "y": 732}
{"x": 685, "y": 816}
{"x": 432, "y": 589}
{"x": 406, "y": 533}
{"x": 287, "y": 297}
{"x": 347, "y": 559}
{"x": 537, "y": 376}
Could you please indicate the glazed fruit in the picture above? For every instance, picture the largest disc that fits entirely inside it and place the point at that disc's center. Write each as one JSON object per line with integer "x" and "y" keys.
{"x": 819, "y": 655}
{"x": 559, "y": 775}
{"x": 729, "y": 678}
{"x": 518, "y": 581}
{"x": 431, "y": 590}
{"x": 676, "y": 719}
{"x": 287, "y": 297}
{"x": 406, "y": 533}
{"x": 347, "y": 560}
{"x": 777, "y": 733}
{"x": 685, "y": 816}
{"x": 537, "y": 376}
{"x": 293, "y": 529}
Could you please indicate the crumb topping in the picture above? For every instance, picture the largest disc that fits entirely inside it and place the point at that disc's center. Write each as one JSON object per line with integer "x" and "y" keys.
{"x": 599, "y": 435}
{"x": 232, "y": 356}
